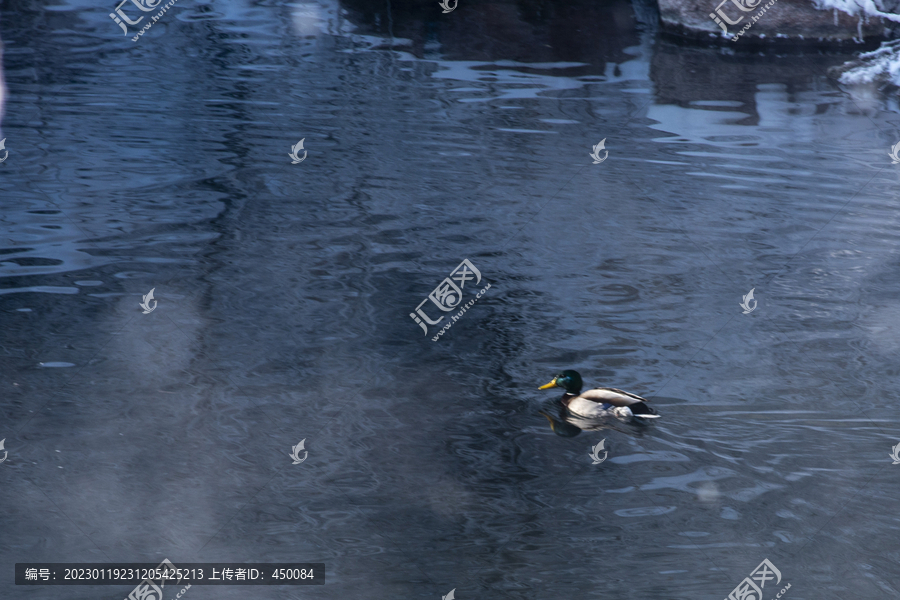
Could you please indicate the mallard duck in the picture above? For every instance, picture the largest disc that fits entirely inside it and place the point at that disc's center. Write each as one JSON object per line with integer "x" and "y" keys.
{"x": 599, "y": 402}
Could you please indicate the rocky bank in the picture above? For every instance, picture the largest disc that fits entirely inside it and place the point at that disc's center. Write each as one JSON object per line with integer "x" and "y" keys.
{"x": 752, "y": 22}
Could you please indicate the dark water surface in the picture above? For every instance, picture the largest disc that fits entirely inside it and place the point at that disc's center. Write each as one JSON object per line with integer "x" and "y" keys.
{"x": 284, "y": 293}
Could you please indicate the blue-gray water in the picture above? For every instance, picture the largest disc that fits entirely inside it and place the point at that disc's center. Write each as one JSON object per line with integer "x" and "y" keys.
{"x": 284, "y": 293}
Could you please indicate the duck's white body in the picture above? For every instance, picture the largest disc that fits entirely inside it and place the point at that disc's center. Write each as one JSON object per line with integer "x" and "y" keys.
{"x": 603, "y": 402}
{"x": 588, "y": 408}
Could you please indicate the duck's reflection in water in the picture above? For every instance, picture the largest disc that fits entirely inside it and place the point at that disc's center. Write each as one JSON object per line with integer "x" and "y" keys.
{"x": 566, "y": 424}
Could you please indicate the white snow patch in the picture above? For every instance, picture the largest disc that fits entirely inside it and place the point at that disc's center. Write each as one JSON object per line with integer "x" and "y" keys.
{"x": 883, "y": 63}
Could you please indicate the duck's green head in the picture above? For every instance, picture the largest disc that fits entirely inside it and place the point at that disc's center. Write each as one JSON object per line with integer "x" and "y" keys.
{"x": 568, "y": 380}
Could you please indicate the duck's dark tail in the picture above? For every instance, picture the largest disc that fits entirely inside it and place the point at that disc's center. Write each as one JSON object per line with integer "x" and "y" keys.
{"x": 641, "y": 408}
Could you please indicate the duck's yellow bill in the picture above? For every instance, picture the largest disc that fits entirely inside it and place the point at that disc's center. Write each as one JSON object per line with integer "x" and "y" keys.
{"x": 548, "y": 386}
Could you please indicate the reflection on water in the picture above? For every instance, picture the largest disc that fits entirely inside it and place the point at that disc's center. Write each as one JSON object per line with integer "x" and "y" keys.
{"x": 284, "y": 293}
{"x": 566, "y": 424}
